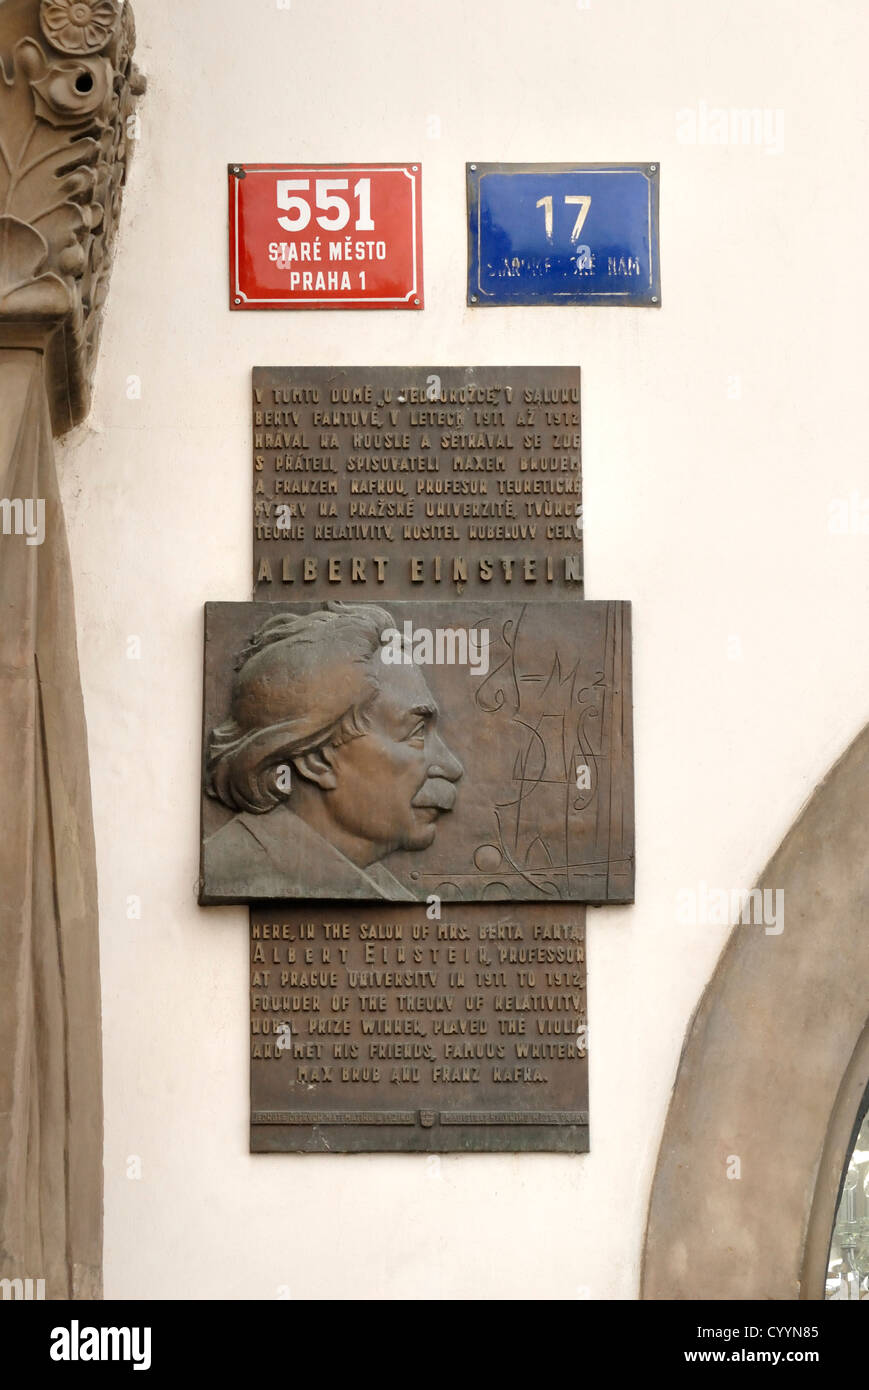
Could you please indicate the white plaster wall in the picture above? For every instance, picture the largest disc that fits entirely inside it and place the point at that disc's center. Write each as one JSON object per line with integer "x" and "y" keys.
{"x": 709, "y": 512}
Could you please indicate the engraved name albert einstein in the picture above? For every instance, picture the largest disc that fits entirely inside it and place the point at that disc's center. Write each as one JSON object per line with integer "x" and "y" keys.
{"x": 331, "y": 759}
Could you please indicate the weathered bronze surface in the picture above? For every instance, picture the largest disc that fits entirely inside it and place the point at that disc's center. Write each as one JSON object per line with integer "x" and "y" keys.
{"x": 418, "y": 719}
{"x": 390, "y": 1029}
{"x": 487, "y": 754}
{"x": 392, "y": 482}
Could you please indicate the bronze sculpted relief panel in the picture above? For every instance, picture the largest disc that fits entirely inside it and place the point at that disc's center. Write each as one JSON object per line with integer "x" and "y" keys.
{"x": 417, "y": 760}
{"x": 468, "y": 750}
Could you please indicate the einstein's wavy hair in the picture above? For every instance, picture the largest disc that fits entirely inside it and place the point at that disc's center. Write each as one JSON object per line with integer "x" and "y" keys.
{"x": 304, "y": 681}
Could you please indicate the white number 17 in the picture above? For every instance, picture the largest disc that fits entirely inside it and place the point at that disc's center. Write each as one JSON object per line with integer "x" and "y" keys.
{"x": 579, "y": 199}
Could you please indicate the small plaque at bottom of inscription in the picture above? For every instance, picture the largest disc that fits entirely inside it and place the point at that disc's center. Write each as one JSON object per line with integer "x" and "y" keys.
{"x": 380, "y": 1029}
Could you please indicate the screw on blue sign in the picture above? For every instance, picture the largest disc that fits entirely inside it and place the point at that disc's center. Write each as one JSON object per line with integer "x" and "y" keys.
{"x": 563, "y": 234}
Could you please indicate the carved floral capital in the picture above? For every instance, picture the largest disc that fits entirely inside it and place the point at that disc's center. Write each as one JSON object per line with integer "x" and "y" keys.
{"x": 67, "y": 124}
{"x": 79, "y": 26}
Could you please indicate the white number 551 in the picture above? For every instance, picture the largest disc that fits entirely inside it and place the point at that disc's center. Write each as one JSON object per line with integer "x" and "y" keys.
{"x": 288, "y": 191}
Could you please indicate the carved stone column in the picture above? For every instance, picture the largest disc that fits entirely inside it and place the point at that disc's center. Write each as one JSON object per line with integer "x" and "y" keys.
{"x": 67, "y": 93}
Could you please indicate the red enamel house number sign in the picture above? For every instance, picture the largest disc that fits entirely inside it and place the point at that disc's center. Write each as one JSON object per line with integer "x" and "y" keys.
{"x": 312, "y": 236}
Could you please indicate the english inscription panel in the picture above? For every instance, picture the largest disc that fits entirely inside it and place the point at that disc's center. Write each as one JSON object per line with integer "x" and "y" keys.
{"x": 439, "y": 481}
{"x": 388, "y": 1029}
{"x": 472, "y": 750}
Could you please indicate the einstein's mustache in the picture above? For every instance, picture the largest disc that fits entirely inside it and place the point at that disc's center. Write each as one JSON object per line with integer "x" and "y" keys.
{"x": 436, "y": 793}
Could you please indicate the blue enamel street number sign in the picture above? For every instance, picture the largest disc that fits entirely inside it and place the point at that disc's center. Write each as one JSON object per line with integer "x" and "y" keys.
{"x": 563, "y": 234}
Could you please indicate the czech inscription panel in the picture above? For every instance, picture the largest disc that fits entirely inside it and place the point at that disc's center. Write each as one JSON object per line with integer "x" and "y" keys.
{"x": 385, "y": 482}
{"x": 436, "y": 1029}
{"x": 469, "y": 750}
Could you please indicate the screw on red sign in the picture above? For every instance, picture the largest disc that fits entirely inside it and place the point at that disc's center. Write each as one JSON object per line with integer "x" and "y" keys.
{"x": 339, "y": 236}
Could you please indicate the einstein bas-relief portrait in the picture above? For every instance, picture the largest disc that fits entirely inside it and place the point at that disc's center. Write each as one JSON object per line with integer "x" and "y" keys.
{"x": 332, "y": 759}
{"x": 469, "y": 750}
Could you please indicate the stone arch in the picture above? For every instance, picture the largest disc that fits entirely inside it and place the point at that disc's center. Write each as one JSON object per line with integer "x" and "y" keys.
{"x": 773, "y": 1069}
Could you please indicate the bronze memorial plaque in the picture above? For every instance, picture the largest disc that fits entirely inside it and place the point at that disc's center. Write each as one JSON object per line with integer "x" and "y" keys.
{"x": 394, "y": 1029}
{"x": 473, "y": 750}
{"x": 429, "y": 481}
{"x": 417, "y": 762}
